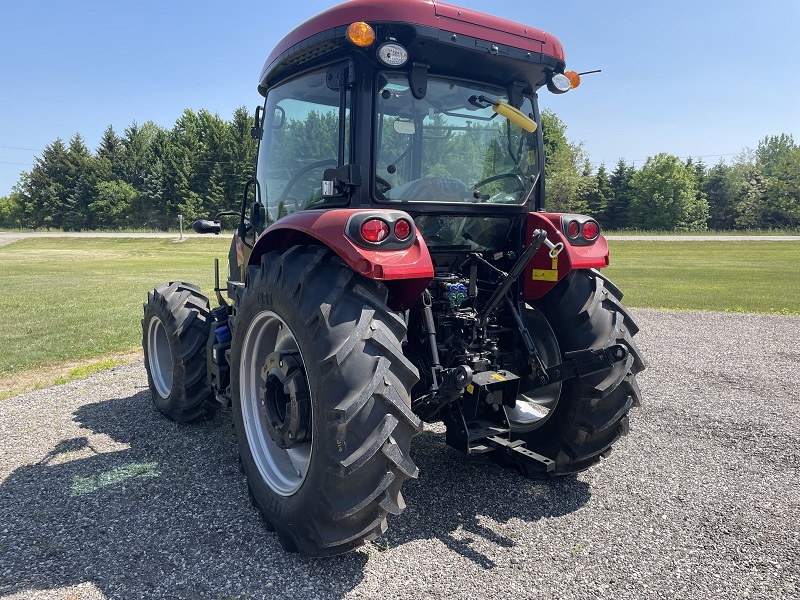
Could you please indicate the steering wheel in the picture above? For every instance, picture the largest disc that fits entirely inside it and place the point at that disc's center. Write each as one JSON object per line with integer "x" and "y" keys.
{"x": 494, "y": 178}
{"x": 297, "y": 176}
{"x": 381, "y": 193}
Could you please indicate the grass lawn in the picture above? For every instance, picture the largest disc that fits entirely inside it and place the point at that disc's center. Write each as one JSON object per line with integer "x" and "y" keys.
{"x": 80, "y": 299}
{"x": 68, "y": 299}
{"x": 761, "y": 277}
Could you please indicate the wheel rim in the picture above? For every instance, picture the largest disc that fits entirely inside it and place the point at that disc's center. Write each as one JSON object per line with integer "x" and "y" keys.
{"x": 159, "y": 357}
{"x": 283, "y": 470}
{"x": 534, "y": 406}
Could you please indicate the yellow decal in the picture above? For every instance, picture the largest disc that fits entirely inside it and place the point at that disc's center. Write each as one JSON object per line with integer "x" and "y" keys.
{"x": 555, "y": 262}
{"x": 545, "y": 275}
{"x": 498, "y": 377}
{"x": 470, "y": 388}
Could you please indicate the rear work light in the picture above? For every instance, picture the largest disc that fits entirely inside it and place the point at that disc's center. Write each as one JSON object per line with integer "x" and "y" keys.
{"x": 374, "y": 231}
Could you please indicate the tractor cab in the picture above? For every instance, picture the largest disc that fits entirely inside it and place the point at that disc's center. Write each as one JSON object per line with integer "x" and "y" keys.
{"x": 410, "y": 105}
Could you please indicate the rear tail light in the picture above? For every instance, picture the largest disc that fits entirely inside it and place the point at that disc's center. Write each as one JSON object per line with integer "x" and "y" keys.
{"x": 573, "y": 229}
{"x": 374, "y": 230}
{"x": 591, "y": 230}
{"x": 402, "y": 229}
{"x": 580, "y": 230}
{"x": 381, "y": 229}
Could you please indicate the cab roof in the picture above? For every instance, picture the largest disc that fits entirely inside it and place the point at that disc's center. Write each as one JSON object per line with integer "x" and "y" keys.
{"x": 324, "y": 33}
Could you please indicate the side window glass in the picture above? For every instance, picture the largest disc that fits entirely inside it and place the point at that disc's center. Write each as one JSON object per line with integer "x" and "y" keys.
{"x": 301, "y": 140}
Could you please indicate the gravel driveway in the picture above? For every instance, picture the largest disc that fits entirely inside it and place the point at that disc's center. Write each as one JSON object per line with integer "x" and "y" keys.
{"x": 100, "y": 497}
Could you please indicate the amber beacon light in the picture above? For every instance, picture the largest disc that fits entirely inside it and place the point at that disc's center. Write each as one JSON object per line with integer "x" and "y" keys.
{"x": 361, "y": 34}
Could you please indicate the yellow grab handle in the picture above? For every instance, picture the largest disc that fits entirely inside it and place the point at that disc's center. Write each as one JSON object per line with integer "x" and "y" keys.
{"x": 515, "y": 115}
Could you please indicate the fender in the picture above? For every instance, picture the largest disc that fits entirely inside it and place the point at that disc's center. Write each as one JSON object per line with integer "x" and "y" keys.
{"x": 542, "y": 273}
{"x": 405, "y": 272}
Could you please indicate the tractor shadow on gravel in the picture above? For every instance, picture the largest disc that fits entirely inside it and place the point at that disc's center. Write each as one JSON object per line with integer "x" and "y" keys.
{"x": 472, "y": 504}
{"x": 138, "y": 506}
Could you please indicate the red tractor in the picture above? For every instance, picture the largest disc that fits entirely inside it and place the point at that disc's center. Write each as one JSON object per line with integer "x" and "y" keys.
{"x": 393, "y": 265}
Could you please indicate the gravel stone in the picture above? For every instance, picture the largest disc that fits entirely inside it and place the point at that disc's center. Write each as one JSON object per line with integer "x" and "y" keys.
{"x": 101, "y": 497}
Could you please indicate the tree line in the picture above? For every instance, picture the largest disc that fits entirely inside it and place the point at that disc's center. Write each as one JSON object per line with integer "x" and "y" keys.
{"x": 149, "y": 175}
{"x": 759, "y": 189}
{"x": 142, "y": 179}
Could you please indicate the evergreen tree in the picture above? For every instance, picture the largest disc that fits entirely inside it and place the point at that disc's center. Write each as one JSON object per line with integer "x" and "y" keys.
{"x": 147, "y": 208}
{"x": 46, "y": 188}
{"x": 137, "y": 154}
{"x": 771, "y": 151}
{"x": 599, "y": 198}
{"x": 239, "y": 155}
{"x": 721, "y": 190}
{"x": 111, "y": 151}
{"x": 79, "y": 186}
{"x": 619, "y": 204}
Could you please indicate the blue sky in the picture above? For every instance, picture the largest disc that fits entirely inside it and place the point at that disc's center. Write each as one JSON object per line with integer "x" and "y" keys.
{"x": 689, "y": 78}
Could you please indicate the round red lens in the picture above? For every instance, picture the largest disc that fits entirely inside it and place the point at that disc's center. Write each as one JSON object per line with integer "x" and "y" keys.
{"x": 590, "y": 230}
{"x": 402, "y": 229}
{"x": 374, "y": 230}
{"x": 573, "y": 229}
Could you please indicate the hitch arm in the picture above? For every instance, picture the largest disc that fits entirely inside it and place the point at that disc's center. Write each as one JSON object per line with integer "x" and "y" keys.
{"x": 584, "y": 362}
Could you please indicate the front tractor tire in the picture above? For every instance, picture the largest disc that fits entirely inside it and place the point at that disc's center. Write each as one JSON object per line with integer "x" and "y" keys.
{"x": 585, "y": 311}
{"x": 175, "y": 331}
{"x": 321, "y": 401}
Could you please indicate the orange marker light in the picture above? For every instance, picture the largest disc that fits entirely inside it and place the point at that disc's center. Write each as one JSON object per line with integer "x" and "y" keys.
{"x": 361, "y": 34}
{"x": 574, "y": 79}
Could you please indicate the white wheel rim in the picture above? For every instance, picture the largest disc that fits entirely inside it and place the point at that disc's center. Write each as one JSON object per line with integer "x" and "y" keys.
{"x": 283, "y": 470}
{"x": 159, "y": 357}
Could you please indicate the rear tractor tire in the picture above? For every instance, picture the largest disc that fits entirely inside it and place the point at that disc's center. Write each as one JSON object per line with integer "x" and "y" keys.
{"x": 591, "y": 413}
{"x": 175, "y": 331}
{"x": 321, "y": 403}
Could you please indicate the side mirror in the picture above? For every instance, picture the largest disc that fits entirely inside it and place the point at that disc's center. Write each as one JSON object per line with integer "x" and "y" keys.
{"x": 206, "y": 226}
{"x": 257, "y": 131}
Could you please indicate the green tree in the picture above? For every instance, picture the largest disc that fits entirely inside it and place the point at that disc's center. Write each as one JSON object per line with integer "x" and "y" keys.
{"x": 619, "y": 203}
{"x": 11, "y": 210}
{"x": 45, "y": 189}
{"x": 111, "y": 152}
{"x": 771, "y": 151}
{"x": 137, "y": 154}
{"x": 567, "y": 181}
{"x": 554, "y": 133}
{"x": 781, "y": 205}
{"x": 721, "y": 188}
{"x": 147, "y": 209}
{"x": 664, "y": 196}
{"x": 79, "y": 188}
{"x": 239, "y": 157}
{"x": 599, "y": 196}
{"x": 112, "y": 203}
{"x": 749, "y": 203}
